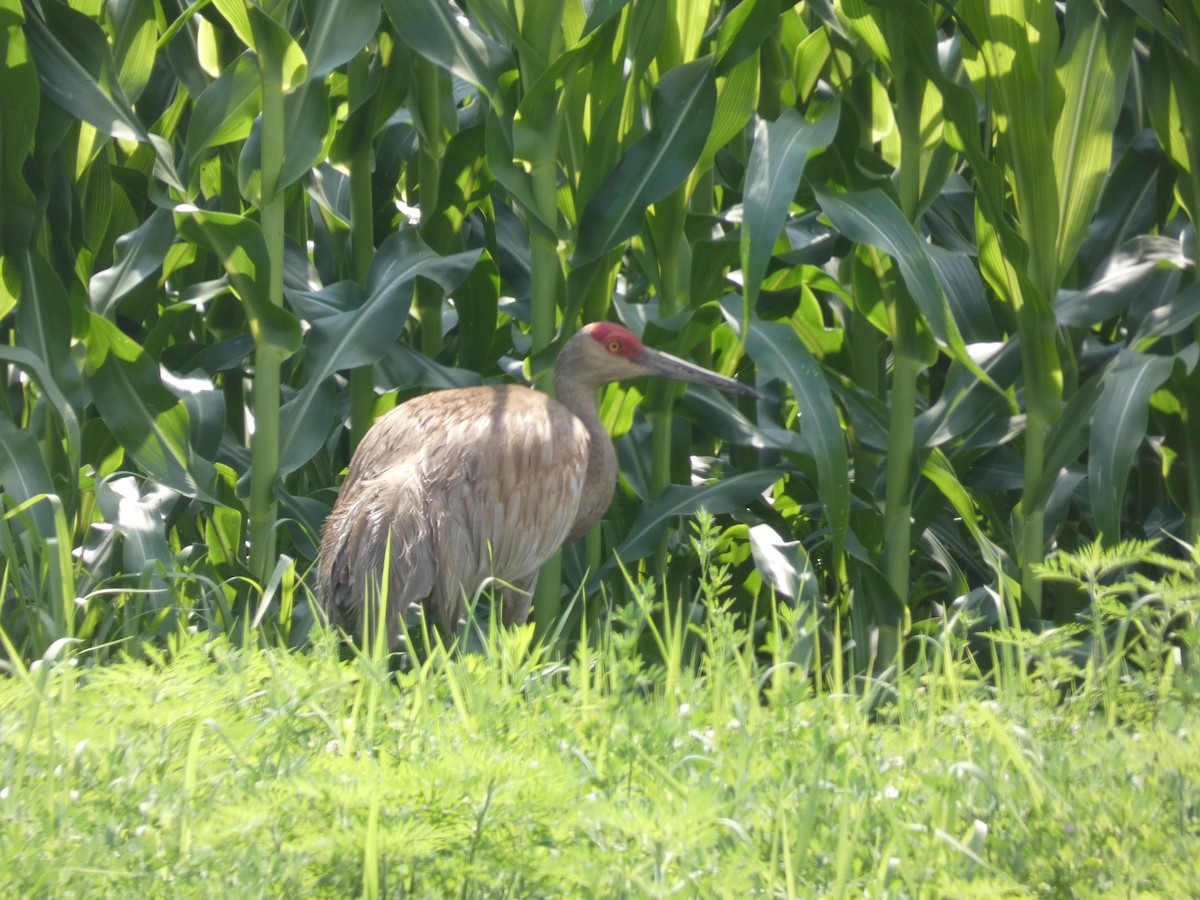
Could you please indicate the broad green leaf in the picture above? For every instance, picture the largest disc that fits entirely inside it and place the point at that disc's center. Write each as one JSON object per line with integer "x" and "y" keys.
{"x": 941, "y": 474}
{"x": 337, "y": 30}
{"x": 23, "y": 472}
{"x": 135, "y": 36}
{"x": 1122, "y": 283}
{"x": 718, "y": 498}
{"x": 737, "y": 95}
{"x": 682, "y": 108}
{"x": 205, "y": 407}
{"x": 139, "y": 254}
{"x": 743, "y": 32}
{"x": 305, "y": 422}
{"x": 1096, "y": 52}
{"x": 19, "y": 87}
{"x": 403, "y": 257}
{"x": 779, "y": 353}
{"x": 960, "y": 281}
{"x": 871, "y": 217}
{"x": 434, "y": 29}
{"x": 514, "y": 179}
{"x": 77, "y": 71}
{"x": 36, "y": 368}
{"x": 477, "y": 302}
{"x": 306, "y": 125}
{"x": 237, "y": 14}
{"x": 225, "y": 112}
{"x": 1118, "y": 429}
{"x": 144, "y": 417}
{"x": 44, "y": 318}
{"x": 240, "y": 246}
{"x": 463, "y": 182}
{"x": 1171, "y": 317}
{"x": 781, "y": 149}
{"x": 361, "y": 336}
{"x": 1015, "y": 67}
{"x": 1067, "y": 438}
{"x": 601, "y": 12}
{"x": 785, "y": 566}
{"x": 1126, "y": 206}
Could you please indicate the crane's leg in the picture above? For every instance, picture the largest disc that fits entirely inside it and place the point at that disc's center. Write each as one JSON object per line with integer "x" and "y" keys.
{"x": 517, "y": 600}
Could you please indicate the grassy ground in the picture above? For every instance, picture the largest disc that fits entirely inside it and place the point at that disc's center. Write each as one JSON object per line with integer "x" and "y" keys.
{"x": 225, "y": 772}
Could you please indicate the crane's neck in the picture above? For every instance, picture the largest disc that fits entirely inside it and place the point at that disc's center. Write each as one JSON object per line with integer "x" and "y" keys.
{"x": 579, "y": 397}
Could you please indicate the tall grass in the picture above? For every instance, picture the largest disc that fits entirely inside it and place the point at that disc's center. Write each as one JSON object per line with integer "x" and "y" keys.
{"x": 665, "y": 755}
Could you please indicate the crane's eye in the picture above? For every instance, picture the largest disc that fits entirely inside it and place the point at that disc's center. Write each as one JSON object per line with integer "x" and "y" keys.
{"x": 614, "y": 346}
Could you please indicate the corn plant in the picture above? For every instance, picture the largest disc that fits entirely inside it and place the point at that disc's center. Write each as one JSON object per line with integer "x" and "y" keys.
{"x": 952, "y": 246}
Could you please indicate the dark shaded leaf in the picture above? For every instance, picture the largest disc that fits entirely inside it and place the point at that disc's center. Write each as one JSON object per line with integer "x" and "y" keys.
{"x": 433, "y": 29}
{"x": 1118, "y": 429}
{"x": 718, "y": 498}
{"x": 337, "y": 30}
{"x": 139, "y": 254}
{"x": 77, "y": 71}
{"x": 238, "y": 242}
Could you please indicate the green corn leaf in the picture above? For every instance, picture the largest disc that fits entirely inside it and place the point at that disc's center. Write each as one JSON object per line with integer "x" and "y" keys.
{"x": 871, "y": 217}
{"x": 432, "y": 28}
{"x": 76, "y": 70}
{"x": 23, "y": 472}
{"x": 237, "y": 14}
{"x": 337, "y": 30}
{"x": 37, "y": 369}
{"x": 781, "y": 149}
{"x": 306, "y": 126}
{"x": 779, "y": 353}
{"x": 145, "y": 418}
{"x": 225, "y": 112}
{"x": 737, "y": 95}
{"x": 239, "y": 244}
{"x": 19, "y": 87}
{"x": 1016, "y": 66}
{"x": 137, "y": 515}
{"x": 362, "y": 336}
{"x": 1118, "y": 429}
{"x": 743, "y": 31}
{"x": 44, "y": 323}
{"x": 682, "y": 109}
{"x": 139, "y": 254}
{"x": 785, "y": 566}
{"x": 1096, "y": 52}
{"x": 678, "y": 500}
{"x": 134, "y": 43}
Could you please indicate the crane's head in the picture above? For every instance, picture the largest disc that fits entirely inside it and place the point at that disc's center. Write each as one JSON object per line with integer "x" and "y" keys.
{"x": 603, "y": 352}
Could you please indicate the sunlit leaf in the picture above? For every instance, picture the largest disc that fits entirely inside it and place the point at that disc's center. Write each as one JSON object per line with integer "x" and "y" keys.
{"x": 781, "y": 149}
{"x": 144, "y": 417}
{"x": 682, "y": 108}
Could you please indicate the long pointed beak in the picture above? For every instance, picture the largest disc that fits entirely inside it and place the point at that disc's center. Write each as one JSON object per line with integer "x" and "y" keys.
{"x": 667, "y": 366}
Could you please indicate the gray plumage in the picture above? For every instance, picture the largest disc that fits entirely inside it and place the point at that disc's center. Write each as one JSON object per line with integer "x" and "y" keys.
{"x": 478, "y": 483}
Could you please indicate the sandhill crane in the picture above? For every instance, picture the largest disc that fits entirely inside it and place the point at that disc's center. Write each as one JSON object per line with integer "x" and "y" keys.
{"x": 482, "y": 482}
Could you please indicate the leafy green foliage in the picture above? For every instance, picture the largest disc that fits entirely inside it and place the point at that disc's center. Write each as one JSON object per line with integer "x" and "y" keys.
{"x": 263, "y": 771}
{"x": 232, "y": 233}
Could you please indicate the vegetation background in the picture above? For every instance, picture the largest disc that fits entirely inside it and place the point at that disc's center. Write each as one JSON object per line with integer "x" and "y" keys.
{"x": 951, "y": 244}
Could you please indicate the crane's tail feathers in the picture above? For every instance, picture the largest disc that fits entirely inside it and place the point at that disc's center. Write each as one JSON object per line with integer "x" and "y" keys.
{"x": 358, "y": 536}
